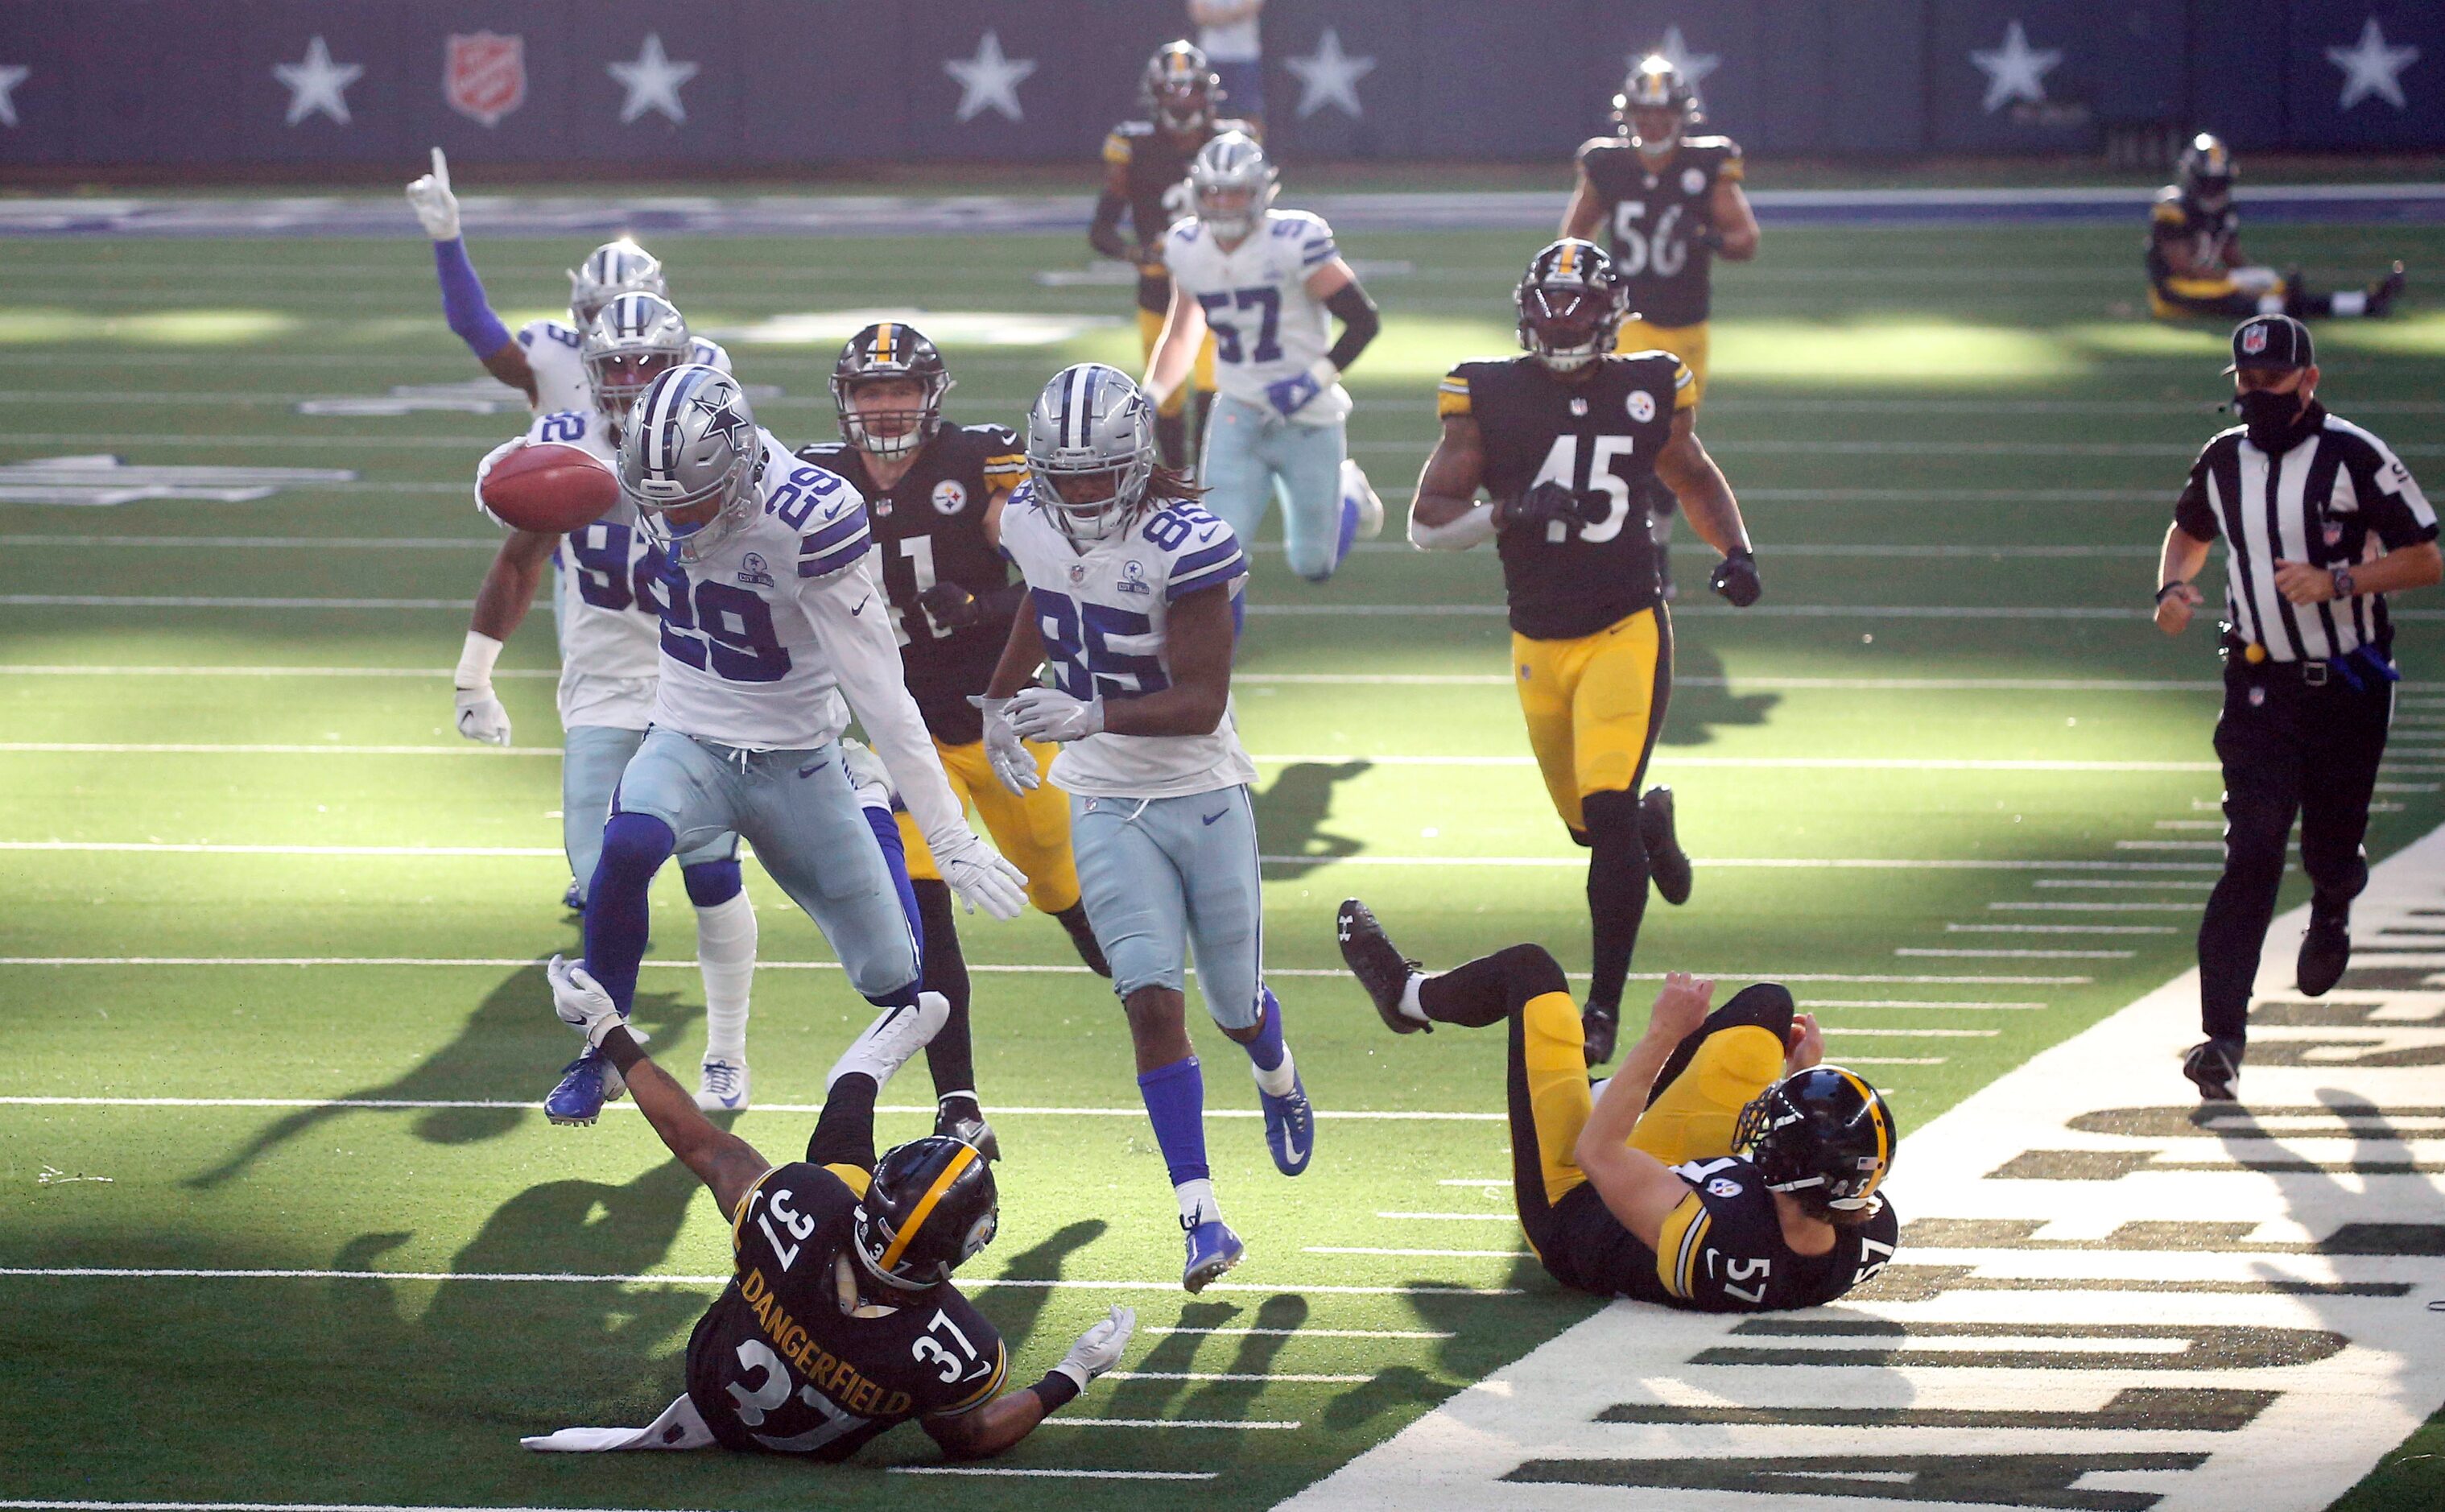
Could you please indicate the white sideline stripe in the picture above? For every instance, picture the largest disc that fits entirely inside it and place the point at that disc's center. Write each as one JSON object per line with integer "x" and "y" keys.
{"x": 1894, "y": 1060}
{"x": 2083, "y": 882}
{"x": 1235, "y": 1375}
{"x": 1309, "y": 1333}
{"x": 2018, "y": 955}
{"x": 1454, "y": 1218}
{"x": 2061, "y": 929}
{"x": 1913, "y": 1002}
{"x": 1172, "y": 1422}
{"x": 2092, "y": 908}
{"x": 196, "y": 1274}
{"x": 1420, "y": 1254}
{"x": 1918, "y": 1033}
{"x": 1069, "y": 970}
{"x": 1049, "y": 1475}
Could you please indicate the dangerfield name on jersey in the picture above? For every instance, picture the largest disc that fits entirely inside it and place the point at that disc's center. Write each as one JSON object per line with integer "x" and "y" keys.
{"x": 1653, "y": 216}
{"x": 1154, "y": 164}
{"x": 928, "y": 528}
{"x": 1598, "y": 436}
{"x": 551, "y": 349}
{"x": 1103, "y": 614}
{"x": 1266, "y": 326}
{"x": 1721, "y": 1250}
{"x": 777, "y": 1365}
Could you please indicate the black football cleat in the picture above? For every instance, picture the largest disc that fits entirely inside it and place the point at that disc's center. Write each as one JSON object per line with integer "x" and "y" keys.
{"x": 2325, "y": 950}
{"x": 958, "y": 1116}
{"x": 2214, "y": 1065}
{"x": 1668, "y": 865}
{"x": 1600, "y": 1026}
{"x": 2383, "y": 293}
{"x": 1379, "y": 968}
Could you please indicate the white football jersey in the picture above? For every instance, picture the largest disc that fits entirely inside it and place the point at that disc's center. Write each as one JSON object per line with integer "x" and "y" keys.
{"x": 560, "y": 378}
{"x": 1266, "y": 326}
{"x": 605, "y": 592}
{"x": 1101, "y": 606}
{"x": 783, "y": 631}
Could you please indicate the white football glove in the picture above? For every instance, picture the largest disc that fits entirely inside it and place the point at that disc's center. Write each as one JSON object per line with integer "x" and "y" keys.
{"x": 1010, "y": 758}
{"x": 481, "y": 717}
{"x": 581, "y": 1002}
{"x": 982, "y": 878}
{"x": 1099, "y": 1349}
{"x": 1049, "y": 714}
{"x": 434, "y": 203}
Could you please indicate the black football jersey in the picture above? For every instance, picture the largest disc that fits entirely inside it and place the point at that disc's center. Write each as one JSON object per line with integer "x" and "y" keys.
{"x": 1721, "y": 1251}
{"x": 2175, "y": 221}
{"x": 776, "y": 1366}
{"x": 1652, "y": 216}
{"x": 930, "y": 528}
{"x": 1598, "y": 435}
{"x": 1156, "y": 165}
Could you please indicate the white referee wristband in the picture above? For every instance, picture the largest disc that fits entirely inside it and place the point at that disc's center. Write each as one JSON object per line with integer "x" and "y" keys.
{"x": 476, "y": 660}
{"x": 1325, "y": 374}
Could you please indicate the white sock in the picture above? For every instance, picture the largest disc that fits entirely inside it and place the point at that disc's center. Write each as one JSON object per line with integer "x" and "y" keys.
{"x": 2352, "y": 302}
{"x": 1410, "y": 1003}
{"x": 1197, "y": 1204}
{"x": 1277, "y": 1082}
{"x": 725, "y": 953}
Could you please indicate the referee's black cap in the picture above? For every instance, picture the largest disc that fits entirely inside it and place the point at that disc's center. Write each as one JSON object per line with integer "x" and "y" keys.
{"x": 2272, "y": 341}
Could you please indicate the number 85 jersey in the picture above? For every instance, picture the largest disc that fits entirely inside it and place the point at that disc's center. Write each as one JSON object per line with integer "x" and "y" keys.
{"x": 1104, "y": 610}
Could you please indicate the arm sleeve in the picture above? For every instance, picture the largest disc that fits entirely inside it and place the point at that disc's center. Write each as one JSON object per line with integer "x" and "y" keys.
{"x": 1104, "y": 234}
{"x": 865, "y": 655}
{"x": 2391, "y": 501}
{"x": 1359, "y": 324}
{"x": 463, "y": 304}
{"x": 2192, "y": 511}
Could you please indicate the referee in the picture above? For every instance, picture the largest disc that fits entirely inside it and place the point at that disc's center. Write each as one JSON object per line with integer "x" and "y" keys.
{"x": 2319, "y": 523}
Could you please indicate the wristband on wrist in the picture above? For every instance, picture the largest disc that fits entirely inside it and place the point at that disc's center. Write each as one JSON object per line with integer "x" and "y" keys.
{"x": 2170, "y": 589}
{"x": 1057, "y": 1389}
{"x": 476, "y": 660}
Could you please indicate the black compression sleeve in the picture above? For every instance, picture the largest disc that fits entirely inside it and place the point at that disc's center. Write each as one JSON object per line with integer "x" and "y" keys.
{"x": 997, "y": 606}
{"x": 1056, "y": 1390}
{"x": 1105, "y": 234}
{"x": 1359, "y": 324}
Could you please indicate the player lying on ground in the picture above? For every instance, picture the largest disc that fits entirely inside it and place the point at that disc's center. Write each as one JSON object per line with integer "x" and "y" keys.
{"x": 840, "y": 1321}
{"x": 1723, "y": 1169}
{"x": 2196, "y": 264}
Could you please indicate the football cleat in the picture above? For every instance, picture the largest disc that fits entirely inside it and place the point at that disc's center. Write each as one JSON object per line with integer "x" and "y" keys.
{"x": 1358, "y": 493}
{"x": 585, "y": 1084}
{"x": 572, "y": 901}
{"x": 1290, "y": 1127}
{"x": 1599, "y": 1027}
{"x": 1668, "y": 865}
{"x": 2214, "y": 1065}
{"x": 958, "y": 1116}
{"x": 1212, "y": 1250}
{"x": 2325, "y": 950}
{"x": 1380, "y": 968}
{"x": 721, "y": 1086}
{"x": 895, "y": 1035}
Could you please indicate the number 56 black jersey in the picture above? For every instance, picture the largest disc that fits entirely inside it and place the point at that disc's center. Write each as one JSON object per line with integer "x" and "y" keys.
{"x": 777, "y": 1366}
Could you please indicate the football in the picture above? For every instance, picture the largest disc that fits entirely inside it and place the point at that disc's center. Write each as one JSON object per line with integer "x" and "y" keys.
{"x": 550, "y": 487}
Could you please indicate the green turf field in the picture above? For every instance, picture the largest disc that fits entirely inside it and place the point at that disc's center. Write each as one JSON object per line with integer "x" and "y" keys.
{"x": 1945, "y": 778}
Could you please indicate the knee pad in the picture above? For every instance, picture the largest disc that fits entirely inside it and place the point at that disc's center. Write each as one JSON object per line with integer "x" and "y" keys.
{"x": 710, "y": 883}
{"x": 634, "y": 846}
{"x": 1611, "y": 820}
{"x": 1531, "y": 971}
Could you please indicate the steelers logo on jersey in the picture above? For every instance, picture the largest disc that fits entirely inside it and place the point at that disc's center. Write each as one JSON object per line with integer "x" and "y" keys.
{"x": 1724, "y": 1187}
{"x": 1642, "y": 405}
{"x": 1693, "y": 179}
{"x": 950, "y": 497}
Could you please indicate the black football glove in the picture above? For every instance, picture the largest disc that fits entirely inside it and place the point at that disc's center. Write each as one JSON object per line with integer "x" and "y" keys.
{"x": 1709, "y": 237}
{"x": 949, "y": 606}
{"x": 1736, "y": 578}
{"x": 1547, "y": 503}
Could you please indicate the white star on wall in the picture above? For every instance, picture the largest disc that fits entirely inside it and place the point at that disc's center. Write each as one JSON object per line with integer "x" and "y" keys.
{"x": 989, "y": 81}
{"x": 1693, "y": 65}
{"x": 652, "y": 82}
{"x": 11, "y": 75}
{"x": 1330, "y": 77}
{"x": 317, "y": 83}
{"x": 2015, "y": 70}
{"x": 2371, "y": 67}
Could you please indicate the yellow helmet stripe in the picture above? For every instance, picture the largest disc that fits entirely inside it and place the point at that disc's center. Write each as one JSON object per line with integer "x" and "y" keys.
{"x": 1875, "y": 1114}
{"x": 1570, "y": 256}
{"x": 882, "y": 343}
{"x": 960, "y": 1161}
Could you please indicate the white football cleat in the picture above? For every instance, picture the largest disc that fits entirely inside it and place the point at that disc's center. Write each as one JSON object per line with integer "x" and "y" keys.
{"x": 895, "y": 1035}
{"x": 721, "y": 1086}
{"x": 1370, "y": 509}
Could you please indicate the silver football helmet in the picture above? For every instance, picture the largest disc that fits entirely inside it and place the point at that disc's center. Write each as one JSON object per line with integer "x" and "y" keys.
{"x": 636, "y": 338}
{"x": 613, "y": 268}
{"x": 1233, "y": 163}
{"x": 692, "y": 441}
{"x": 1093, "y": 432}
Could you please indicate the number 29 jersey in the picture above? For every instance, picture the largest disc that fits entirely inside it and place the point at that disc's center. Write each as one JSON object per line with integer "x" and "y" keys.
{"x": 1598, "y": 436}
{"x": 1266, "y": 326}
{"x": 1103, "y": 608}
{"x": 776, "y": 1365}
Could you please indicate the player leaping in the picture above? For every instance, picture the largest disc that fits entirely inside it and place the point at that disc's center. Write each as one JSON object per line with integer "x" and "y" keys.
{"x": 1722, "y": 1169}
{"x": 1133, "y": 595}
{"x": 771, "y": 612}
{"x": 1566, "y": 438}
{"x": 1267, "y": 283}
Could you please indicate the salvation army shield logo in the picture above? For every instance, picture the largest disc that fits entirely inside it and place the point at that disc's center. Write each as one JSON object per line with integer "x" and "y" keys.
{"x": 484, "y": 76}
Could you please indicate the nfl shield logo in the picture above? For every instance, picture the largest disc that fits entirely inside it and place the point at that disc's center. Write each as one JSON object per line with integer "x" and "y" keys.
{"x": 2334, "y": 533}
{"x": 2253, "y": 341}
{"x": 484, "y": 76}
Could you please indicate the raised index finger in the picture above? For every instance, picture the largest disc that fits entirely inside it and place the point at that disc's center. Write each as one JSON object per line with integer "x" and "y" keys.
{"x": 441, "y": 169}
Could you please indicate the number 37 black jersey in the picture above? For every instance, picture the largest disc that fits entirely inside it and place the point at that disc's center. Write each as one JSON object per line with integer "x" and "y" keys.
{"x": 777, "y": 1366}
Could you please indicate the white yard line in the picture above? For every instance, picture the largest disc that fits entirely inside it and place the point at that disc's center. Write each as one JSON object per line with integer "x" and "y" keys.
{"x": 2017, "y": 955}
{"x": 134, "y": 1273}
{"x": 2058, "y": 929}
{"x": 1017, "y": 1473}
{"x": 1306, "y": 1333}
{"x": 2089, "y": 908}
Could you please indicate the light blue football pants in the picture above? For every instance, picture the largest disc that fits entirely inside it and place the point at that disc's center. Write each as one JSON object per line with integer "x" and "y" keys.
{"x": 1248, "y": 448}
{"x": 797, "y": 808}
{"x": 1162, "y": 877}
{"x": 592, "y": 758}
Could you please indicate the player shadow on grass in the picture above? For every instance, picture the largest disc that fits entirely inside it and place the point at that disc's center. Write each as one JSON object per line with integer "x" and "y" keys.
{"x": 1015, "y": 1310}
{"x": 1291, "y": 815}
{"x": 1222, "y": 1401}
{"x": 509, "y": 1040}
{"x": 1701, "y": 701}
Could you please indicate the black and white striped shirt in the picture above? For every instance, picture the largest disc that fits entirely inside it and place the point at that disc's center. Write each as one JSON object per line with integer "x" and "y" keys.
{"x": 2328, "y": 500}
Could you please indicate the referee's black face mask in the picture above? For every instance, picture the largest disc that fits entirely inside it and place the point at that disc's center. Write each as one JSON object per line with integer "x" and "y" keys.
{"x": 2271, "y": 416}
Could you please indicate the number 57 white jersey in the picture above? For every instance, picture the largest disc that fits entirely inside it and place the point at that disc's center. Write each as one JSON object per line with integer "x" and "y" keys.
{"x": 1266, "y": 326}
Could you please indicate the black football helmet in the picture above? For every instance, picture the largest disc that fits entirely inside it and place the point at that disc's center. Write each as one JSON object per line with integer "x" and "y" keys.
{"x": 2207, "y": 170}
{"x": 1570, "y": 304}
{"x": 1656, "y": 84}
{"x": 1823, "y": 1135}
{"x": 1181, "y": 88}
{"x": 889, "y": 349}
{"x": 930, "y": 1206}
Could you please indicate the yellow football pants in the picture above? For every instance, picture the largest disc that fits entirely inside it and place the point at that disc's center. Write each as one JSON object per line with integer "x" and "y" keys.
{"x": 1200, "y": 377}
{"x": 1032, "y": 831}
{"x": 1592, "y": 706}
{"x": 1688, "y": 343}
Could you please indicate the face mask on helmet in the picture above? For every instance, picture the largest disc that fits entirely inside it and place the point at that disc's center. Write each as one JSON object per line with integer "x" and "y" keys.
{"x": 1090, "y": 451}
{"x": 887, "y": 415}
{"x": 620, "y": 377}
{"x": 1564, "y": 326}
{"x": 611, "y": 269}
{"x": 690, "y": 461}
{"x": 929, "y": 1209}
{"x": 1823, "y": 1138}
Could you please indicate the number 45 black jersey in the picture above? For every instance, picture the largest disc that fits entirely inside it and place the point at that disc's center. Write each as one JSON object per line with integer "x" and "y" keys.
{"x": 1599, "y": 436}
{"x": 777, "y": 1366}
